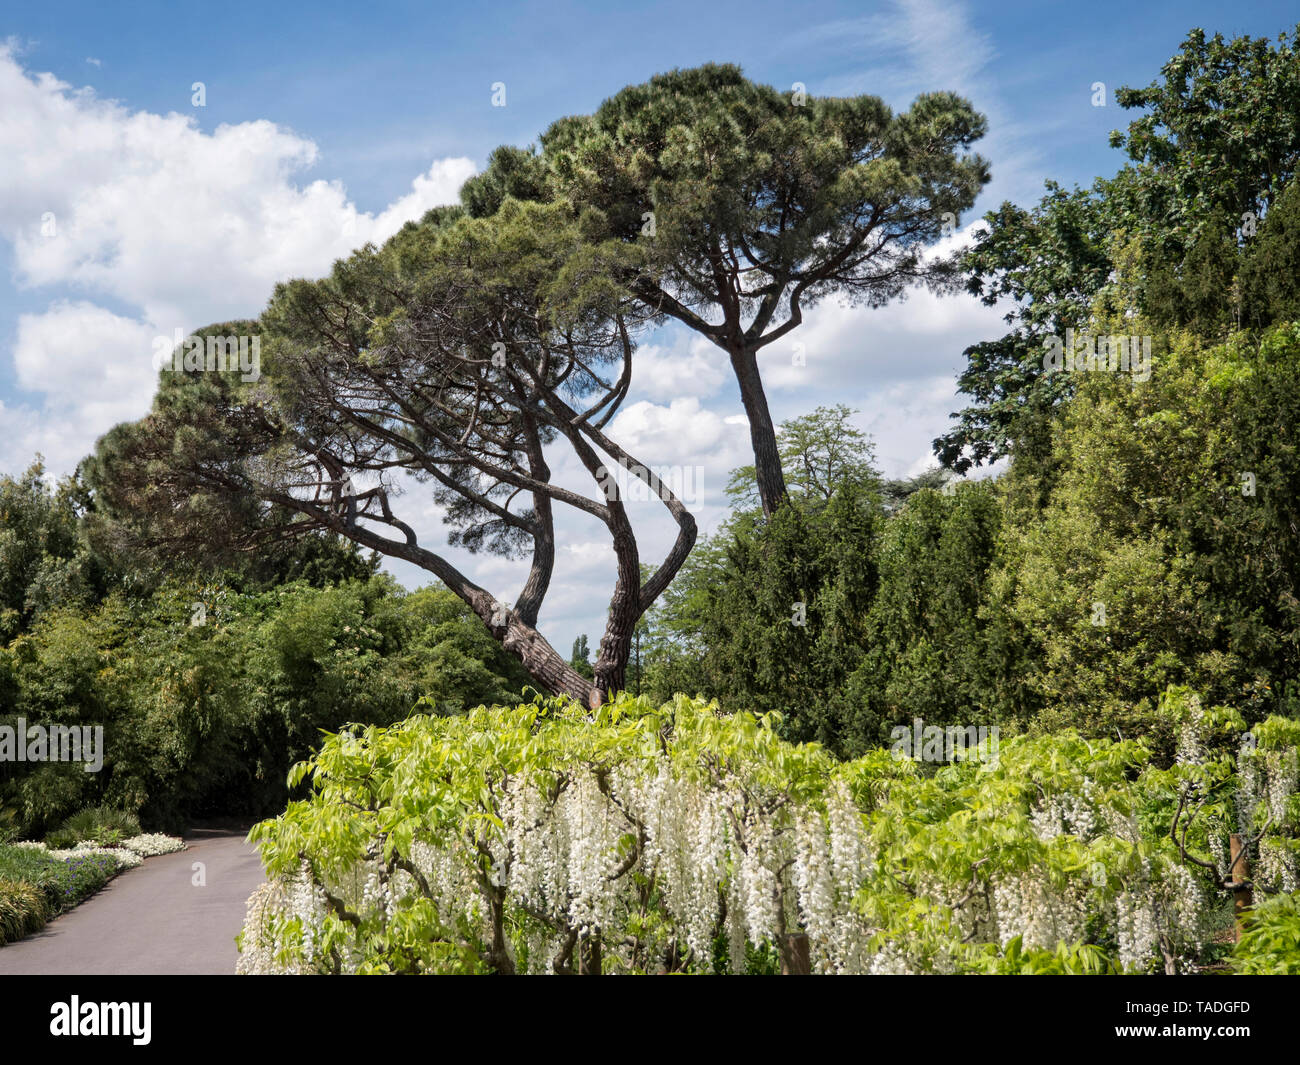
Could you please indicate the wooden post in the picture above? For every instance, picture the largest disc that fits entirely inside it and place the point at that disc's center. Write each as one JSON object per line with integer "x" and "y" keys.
{"x": 796, "y": 957}
{"x": 1239, "y": 879}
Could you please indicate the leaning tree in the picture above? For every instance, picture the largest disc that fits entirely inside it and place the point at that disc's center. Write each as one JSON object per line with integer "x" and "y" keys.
{"x": 454, "y": 355}
{"x": 731, "y": 208}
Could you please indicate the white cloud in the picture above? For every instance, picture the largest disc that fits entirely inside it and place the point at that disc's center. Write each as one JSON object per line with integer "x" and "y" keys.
{"x": 852, "y": 349}
{"x": 24, "y": 434}
{"x": 903, "y": 417}
{"x": 944, "y": 46}
{"x": 589, "y": 550}
{"x": 685, "y": 433}
{"x": 169, "y": 226}
{"x": 918, "y": 45}
{"x": 150, "y": 210}
{"x": 660, "y": 373}
{"x": 85, "y": 357}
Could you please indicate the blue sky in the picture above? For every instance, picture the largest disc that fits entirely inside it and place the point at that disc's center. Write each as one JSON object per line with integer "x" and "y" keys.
{"x": 329, "y": 124}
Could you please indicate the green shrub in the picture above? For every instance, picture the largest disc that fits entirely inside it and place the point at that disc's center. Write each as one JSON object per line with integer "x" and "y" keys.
{"x": 22, "y": 909}
{"x": 95, "y": 824}
{"x": 1068, "y": 959}
{"x": 24, "y": 863}
{"x": 1270, "y": 945}
{"x": 205, "y": 720}
{"x": 80, "y": 878}
{"x": 62, "y": 839}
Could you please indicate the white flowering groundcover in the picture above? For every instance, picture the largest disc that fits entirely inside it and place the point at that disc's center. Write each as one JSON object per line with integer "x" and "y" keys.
{"x": 127, "y": 855}
{"x": 636, "y": 839}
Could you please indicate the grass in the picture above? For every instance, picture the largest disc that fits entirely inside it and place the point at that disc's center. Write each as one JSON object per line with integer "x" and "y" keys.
{"x": 23, "y": 909}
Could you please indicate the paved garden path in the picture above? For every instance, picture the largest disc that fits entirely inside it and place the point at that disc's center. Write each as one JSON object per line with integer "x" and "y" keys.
{"x": 152, "y": 919}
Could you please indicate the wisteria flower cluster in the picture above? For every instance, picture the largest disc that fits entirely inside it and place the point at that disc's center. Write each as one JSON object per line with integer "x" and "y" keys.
{"x": 549, "y": 838}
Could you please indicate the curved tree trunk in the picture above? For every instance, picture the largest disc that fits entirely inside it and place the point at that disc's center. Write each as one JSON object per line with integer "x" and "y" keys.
{"x": 518, "y": 636}
{"x": 624, "y": 610}
{"x": 544, "y": 663}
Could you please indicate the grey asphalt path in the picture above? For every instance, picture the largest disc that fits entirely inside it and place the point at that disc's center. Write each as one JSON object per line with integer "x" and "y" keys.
{"x": 152, "y": 919}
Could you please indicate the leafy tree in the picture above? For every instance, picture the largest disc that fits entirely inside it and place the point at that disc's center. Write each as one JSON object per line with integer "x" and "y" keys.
{"x": 1199, "y": 291}
{"x": 581, "y": 657}
{"x": 1270, "y": 274}
{"x": 455, "y": 354}
{"x": 204, "y": 710}
{"x": 1210, "y": 159}
{"x": 769, "y": 612}
{"x": 1220, "y": 136}
{"x": 1050, "y": 261}
{"x": 1167, "y": 552}
{"x": 784, "y": 620}
{"x": 894, "y": 493}
{"x": 845, "y": 619}
{"x": 44, "y": 560}
{"x": 1217, "y": 145}
{"x": 731, "y": 208}
{"x": 819, "y": 452}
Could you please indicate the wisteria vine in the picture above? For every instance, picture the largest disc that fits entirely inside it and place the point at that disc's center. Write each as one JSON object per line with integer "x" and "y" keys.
{"x": 549, "y": 838}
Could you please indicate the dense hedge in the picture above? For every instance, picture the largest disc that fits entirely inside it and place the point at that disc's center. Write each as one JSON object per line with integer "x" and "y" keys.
{"x": 206, "y": 719}
{"x": 1158, "y": 545}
